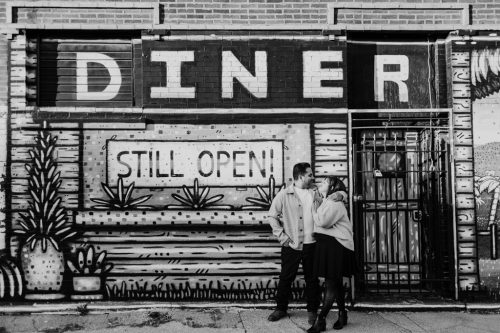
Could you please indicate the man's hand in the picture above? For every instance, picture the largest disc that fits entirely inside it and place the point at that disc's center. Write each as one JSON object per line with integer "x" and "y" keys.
{"x": 336, "y": 197}
{"x": 287, "y": 242}
{"x": 317, "y": 199}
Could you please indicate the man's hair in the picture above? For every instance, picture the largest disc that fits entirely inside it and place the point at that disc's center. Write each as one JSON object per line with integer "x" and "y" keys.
{"x": 300, "y": 169}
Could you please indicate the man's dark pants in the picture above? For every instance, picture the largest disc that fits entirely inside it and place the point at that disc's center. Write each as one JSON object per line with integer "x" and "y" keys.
{"x": 290, "y": 260}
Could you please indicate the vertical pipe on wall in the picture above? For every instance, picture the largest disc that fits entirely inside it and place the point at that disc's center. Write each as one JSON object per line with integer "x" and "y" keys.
{"x": 453, "y": 206}
{"x": 4, "y": 119}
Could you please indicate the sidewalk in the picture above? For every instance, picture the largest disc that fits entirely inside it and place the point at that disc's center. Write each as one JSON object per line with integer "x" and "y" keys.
{"x": 201, "y": 319}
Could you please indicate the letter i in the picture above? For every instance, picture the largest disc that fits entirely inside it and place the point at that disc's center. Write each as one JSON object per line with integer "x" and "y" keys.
{"x": 272, "y": 156}
{"x": 150, "y": 164}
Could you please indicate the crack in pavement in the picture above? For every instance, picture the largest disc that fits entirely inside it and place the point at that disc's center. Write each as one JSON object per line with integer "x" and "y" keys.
{"x": 413, "y": 321}
{"x": 241, "y": 321}
{"x": 482, "y": 329}
{"x": 33, "y": 324}
{"x": 297, "y": 325}
{"x": 394, "y": 323}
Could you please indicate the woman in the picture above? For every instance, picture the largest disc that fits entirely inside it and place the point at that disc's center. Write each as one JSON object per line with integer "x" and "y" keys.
{"x": 334, "y": 256}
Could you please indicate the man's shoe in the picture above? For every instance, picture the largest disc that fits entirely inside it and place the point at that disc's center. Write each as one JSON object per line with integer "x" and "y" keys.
{"x": 311, "y": 317}
{"x": 277, "y": 315}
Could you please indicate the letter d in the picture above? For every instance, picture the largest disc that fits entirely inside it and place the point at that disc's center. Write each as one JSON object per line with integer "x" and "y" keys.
{"x": 82, "y": 87}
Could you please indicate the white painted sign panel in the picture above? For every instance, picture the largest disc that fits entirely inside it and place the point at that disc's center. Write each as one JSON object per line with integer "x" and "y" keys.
{"x": 177, "y": 163}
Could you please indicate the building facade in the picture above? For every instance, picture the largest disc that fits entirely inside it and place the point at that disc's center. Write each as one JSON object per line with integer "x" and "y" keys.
{"x": 142, "y": 143}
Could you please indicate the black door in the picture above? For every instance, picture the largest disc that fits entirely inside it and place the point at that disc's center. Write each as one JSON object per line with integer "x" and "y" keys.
{"x": 401, "y": 203}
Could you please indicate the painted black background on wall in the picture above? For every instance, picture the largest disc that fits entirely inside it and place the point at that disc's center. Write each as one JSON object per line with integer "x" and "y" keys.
{"x": 58, "y": 78}
{"x": 284, "y": 58}
{"x": 361, "y": 74}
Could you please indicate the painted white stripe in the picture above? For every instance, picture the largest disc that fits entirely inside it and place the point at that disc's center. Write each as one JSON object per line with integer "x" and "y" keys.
{"x": 196, "y": 111}
{"x": 242, "y": 37}
{"x": 388, "y": 43}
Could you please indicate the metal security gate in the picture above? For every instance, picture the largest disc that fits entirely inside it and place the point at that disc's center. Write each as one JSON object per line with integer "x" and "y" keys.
{"x": 403, "y": 224}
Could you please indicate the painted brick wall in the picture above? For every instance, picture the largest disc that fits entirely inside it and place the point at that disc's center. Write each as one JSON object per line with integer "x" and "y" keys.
{"x": 3, "y": 71}
{"x": 244, "y": 12}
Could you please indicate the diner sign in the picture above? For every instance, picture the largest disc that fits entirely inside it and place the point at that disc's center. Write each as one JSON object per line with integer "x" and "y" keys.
{"x": 246, "y": 74}
{"x": 177, "y": 163}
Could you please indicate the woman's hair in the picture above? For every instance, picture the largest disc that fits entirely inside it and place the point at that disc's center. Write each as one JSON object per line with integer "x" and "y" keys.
{"x": 335, "y": 185}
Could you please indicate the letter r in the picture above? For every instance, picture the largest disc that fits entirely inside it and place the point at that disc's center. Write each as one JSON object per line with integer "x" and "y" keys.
{"x": 398, "y": 77}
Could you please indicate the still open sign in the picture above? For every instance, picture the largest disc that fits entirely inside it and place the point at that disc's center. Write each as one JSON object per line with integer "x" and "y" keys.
{"x": 177, "y": 163}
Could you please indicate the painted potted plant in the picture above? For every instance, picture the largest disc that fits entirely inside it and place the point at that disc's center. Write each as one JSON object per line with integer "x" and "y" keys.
{"x": 122, "y": 199}
{"x": 89, "y": 271}
{"x": 118, "y": 207}
{"x": 266, "y": 198}
{"x": 197, "y": 198}
{"x": 45, "y": 226}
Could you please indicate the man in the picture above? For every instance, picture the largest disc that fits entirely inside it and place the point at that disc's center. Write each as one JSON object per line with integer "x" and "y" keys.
{"x": 290, "y": 217}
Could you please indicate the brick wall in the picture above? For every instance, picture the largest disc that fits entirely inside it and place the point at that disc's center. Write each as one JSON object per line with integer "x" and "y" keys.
{"x": 255, "y": 12}
{"x": 84, "y": 15}
{"x": 398, "y": 16}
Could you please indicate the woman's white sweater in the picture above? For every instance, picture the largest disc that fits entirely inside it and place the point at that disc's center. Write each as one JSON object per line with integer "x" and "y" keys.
{"x": 331, "y": 219}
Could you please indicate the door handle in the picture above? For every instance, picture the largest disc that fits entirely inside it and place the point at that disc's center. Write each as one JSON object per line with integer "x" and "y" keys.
{"x": 357, "y": 198}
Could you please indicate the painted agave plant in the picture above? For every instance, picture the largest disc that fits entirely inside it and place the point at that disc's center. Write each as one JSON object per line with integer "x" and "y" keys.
{"x": 45, "y": 220}
{"x": 197, "y": 198}
{"x": 266, "y": 198}
{"x": 44, "y": 226}
{"x": 122, "y": 199}
{"x": 89, "y": 263}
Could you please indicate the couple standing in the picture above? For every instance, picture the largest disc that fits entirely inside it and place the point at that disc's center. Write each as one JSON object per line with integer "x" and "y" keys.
{"x": 313, "y": 227}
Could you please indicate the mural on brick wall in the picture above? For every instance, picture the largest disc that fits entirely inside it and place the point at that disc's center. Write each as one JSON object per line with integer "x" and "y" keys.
{"x": 114, "y": 207}
{"x": 157, "y": 184}
{"x": 485, "y": 62}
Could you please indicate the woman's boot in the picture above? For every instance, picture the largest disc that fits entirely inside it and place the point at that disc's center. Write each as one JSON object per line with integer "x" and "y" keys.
{"x": 319, "y": 326}
{"x": 341, "y": 321}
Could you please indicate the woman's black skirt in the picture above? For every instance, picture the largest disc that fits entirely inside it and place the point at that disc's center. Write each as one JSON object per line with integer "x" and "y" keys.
{"x": 332, "y": 260}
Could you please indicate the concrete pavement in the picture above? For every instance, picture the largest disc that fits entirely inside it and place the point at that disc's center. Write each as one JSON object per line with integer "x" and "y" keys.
{"x": 244, "y": 320}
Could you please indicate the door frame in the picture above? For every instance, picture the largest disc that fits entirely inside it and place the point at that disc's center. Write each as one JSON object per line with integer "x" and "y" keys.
{"x": 452, "y": 187}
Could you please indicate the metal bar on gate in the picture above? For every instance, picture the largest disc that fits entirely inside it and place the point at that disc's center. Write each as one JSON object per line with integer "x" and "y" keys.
{"x": 350, "y": 162}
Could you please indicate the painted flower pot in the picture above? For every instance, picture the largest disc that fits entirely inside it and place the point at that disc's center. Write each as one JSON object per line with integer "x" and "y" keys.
{"x": 87, "y": 287}
{"x": 43, "y": 271}
{"x": 84, "y": 284}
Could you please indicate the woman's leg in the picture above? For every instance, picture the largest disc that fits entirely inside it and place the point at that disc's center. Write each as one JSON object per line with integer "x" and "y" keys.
{"x": 340, "y": 298}
{"x": 339, "y": 291}
{"x": 328, "y": 298}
